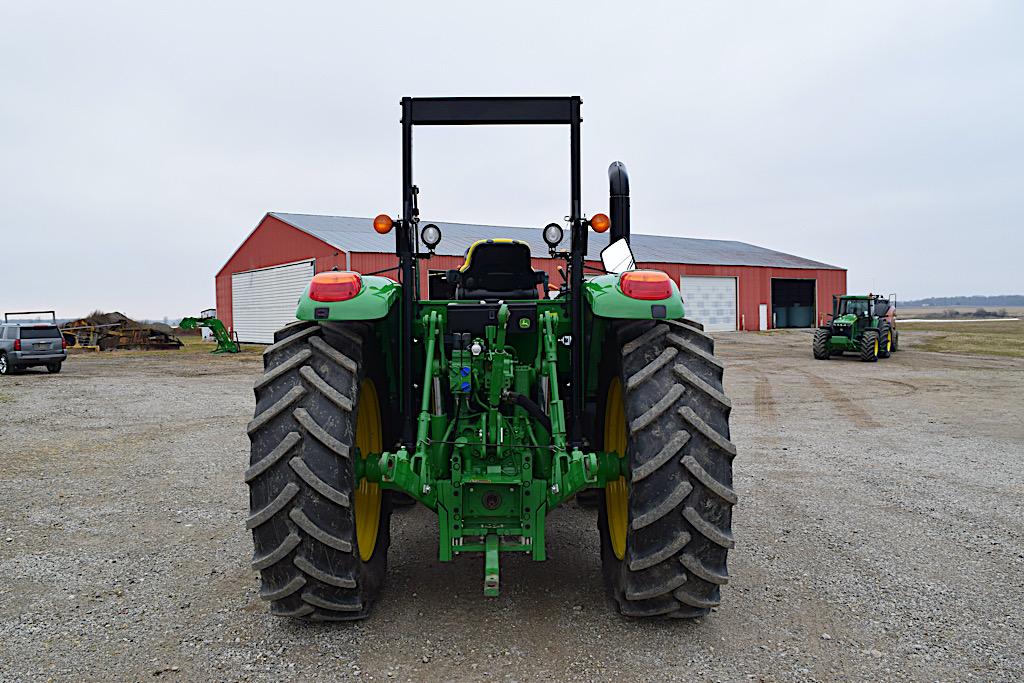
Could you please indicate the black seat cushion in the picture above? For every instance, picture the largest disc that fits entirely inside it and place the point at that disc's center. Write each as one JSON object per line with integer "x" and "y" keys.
{"x": 497, "y": 269}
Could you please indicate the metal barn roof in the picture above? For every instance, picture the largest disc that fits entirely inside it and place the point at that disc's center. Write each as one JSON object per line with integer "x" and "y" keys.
{"x": 357, "y": 235}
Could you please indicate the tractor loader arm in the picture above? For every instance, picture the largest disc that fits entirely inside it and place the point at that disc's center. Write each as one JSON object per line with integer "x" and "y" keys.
{"x": 225, "y": 344}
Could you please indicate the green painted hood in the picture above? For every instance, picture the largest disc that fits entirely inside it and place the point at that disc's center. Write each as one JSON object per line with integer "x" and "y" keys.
{"x": 607, "y": 300}
{"x": 373, "y": 301}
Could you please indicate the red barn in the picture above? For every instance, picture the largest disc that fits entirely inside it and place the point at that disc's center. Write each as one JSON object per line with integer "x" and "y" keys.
{"x": 726, "y": 285}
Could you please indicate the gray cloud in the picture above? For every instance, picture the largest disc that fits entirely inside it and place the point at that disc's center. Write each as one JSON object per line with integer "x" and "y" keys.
{"x": 141, "y": 143}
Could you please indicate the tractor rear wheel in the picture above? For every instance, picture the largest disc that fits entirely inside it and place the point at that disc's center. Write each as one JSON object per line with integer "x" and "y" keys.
{"x": 895, "y": 340}
{"x": 321, "y": 537}
{"x": 820, "y": 346}
{"x": 666, "y": 528}
{"x": 869, "y": 346}
{"x": 884, "y": 339}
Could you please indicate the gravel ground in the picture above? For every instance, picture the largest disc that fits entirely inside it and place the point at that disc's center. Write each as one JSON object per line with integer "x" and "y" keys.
{"x": 880, "y": 537}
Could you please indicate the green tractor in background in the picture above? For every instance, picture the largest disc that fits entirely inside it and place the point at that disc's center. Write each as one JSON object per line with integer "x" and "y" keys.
{"x": 491, "y": 403}
{"x": 860, "y": 324}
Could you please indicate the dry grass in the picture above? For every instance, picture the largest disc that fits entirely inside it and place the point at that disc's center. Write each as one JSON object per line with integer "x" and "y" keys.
{"x": 981, "y": 338}
{"x": 193, "y": 346}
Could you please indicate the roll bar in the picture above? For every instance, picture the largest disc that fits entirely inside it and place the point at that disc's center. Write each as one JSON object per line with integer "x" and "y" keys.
{"x": 469, "y": 111}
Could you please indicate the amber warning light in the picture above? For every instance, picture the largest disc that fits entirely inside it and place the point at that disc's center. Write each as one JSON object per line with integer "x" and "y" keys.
{"x": 599, "y": 222}
{"x": 335, "y": 286}
{"x": 383, "y": 223}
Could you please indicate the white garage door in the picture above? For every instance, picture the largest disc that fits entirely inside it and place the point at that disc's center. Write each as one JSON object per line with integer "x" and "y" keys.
{"x": 263, "y": 301}
{"x": 711, "y": 301}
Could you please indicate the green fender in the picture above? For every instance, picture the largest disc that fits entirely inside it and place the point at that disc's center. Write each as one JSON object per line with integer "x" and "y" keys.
{"x": 374, "y": 300}
{"x": 607, "y": 301}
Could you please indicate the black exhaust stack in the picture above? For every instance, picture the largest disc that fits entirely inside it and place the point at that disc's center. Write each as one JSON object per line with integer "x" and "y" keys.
{"x": 618, "y": 202}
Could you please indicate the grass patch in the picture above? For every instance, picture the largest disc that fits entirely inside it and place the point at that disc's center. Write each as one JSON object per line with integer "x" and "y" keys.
{"x": 195, "y": 344}
{"x": 964, "y": 311}
{"x": 982, "y": 338}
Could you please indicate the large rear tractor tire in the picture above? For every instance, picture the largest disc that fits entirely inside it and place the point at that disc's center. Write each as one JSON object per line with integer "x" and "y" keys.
{"x": 869, "y": 346}
{"x": 666, "y": 528}
{"x": 820, "y": 346}
{"x": 321, "y": 538}
{"x": 884, "y": 339}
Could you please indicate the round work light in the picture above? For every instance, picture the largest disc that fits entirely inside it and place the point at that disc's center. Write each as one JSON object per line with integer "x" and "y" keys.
{"x": 553, "y": 234}
{"x": 431, "y": 235}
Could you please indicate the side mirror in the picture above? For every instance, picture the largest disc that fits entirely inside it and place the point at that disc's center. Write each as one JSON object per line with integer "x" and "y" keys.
{"x": 617, "y": 257}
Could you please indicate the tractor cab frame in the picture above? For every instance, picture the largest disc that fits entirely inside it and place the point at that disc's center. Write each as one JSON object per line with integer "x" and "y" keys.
{"x": 490, "y": 111}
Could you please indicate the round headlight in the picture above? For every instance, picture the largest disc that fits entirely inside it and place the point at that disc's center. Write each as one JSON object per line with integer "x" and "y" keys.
{"x": 552, "y": 234}
{"x": 431, "y": 235}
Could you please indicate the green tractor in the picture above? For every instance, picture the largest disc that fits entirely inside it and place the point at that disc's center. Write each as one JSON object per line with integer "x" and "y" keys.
{"x": 860, "y": 324}
{"x": 491, "y": 402}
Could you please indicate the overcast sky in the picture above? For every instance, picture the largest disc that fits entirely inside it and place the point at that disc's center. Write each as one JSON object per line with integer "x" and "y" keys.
{"x": 140, "y": 143}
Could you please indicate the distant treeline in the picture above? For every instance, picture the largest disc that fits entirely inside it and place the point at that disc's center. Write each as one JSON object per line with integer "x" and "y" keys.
{"x": 998, "y": 300}
{"x": 953, "y": 314}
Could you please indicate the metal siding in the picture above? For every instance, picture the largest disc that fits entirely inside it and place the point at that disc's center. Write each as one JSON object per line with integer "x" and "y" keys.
{"x": 272, "y": 243}
{"x": 754, "y": 285}
{"x": 263, "y": 301}
{"x": 357, "y": 234}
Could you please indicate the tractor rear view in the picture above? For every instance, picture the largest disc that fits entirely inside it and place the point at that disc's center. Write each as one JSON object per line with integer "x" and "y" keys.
{"x": 491, "y": 403}
{"x": 861, "y": 324}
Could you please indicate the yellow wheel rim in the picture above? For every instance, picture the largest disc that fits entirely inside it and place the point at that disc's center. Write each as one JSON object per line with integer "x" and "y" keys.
{"x": 369, "y": 439}
{"x": 876, "y": 346}
{"x": 888, "y": 342}
{"x": 616, "y": 493}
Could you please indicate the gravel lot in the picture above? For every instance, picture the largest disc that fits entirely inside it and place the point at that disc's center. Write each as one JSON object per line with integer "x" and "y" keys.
{"x": 880, "y": 537}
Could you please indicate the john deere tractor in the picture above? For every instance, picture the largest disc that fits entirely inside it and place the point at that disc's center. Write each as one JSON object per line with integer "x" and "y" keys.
{"x": 860, "y": 324}
{"x": 491, "y": 402}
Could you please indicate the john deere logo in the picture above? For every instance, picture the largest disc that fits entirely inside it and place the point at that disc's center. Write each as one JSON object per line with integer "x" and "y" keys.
{"x": 524, "y": 323}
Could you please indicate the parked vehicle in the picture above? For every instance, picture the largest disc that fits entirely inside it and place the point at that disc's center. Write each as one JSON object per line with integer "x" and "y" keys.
{"x": 26, "y": 345}
{"x": 860, "y": 324}
{"x": 490, "y": 405}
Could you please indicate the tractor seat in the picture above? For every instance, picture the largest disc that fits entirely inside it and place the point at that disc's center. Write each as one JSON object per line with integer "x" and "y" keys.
{"x": 497, "y": 269}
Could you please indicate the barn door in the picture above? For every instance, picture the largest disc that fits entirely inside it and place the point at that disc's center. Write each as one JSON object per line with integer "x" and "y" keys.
{"x": 711, "y": 301}
{"x": 263, "y": 301}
